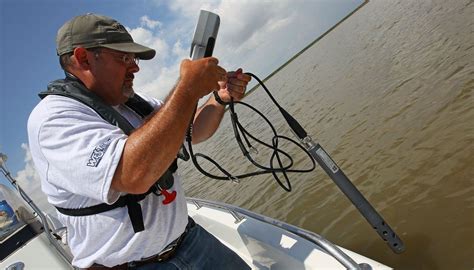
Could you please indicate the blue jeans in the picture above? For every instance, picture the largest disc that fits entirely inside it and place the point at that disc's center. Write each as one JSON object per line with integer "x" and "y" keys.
{"x": 200, "y": 250}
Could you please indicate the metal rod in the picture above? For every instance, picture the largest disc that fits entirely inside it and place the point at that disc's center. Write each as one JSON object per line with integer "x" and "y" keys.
{"x": 354, "y": 195}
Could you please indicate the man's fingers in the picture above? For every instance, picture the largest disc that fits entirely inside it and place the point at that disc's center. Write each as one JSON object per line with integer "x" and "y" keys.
{"x": 237, "y": 95}
{"x": 239, "y": 75}
{"x": 244, "y": 77}
{"x": 237, "y": 82}
{"x": 222, "y": 73}
{"x": 212, "y": 60}
{"x": 235, "y": 89}
{"x": 222, "y": 84}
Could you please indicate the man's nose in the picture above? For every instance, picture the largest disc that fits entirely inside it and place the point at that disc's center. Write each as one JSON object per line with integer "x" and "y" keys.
{"x": 133, "y": 67}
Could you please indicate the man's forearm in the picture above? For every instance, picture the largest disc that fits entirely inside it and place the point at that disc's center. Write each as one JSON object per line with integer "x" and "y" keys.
{"x": 207, "y": 120}
{"x": 151, "y": 148}
{"x": 209, "y": 116}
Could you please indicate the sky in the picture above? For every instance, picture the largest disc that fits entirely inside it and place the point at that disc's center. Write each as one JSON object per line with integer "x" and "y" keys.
{"x": 258, "y": 36}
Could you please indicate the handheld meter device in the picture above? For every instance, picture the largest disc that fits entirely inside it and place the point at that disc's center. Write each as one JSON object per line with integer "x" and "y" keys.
{"x": 205, "y": 35}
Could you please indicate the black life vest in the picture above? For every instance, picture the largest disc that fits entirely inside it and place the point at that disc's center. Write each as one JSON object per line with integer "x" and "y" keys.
{"x": 72, "y": 87}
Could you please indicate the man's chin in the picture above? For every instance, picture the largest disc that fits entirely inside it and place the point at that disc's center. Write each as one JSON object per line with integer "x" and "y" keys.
{"x": 128, "y": 92}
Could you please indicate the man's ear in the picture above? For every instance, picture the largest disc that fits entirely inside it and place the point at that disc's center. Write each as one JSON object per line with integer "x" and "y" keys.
{"x": 81, "y": 57}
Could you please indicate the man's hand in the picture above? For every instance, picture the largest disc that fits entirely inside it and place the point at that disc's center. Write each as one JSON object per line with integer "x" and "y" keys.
{"x": 202, "y": 76}
{"x": 234, "y": 87}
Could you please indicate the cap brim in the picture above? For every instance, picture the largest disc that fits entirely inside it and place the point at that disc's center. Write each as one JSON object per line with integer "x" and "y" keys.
{"x": 140, "y": 51}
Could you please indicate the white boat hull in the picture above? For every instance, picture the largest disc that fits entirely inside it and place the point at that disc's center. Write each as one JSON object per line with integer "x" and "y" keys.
{"x": 38, "y": 253}
{"x": 264, "y": 243}
{"x": 266, "y": 246}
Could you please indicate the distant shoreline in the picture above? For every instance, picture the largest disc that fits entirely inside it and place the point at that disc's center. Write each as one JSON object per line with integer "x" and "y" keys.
{"x": 306, "y": 48}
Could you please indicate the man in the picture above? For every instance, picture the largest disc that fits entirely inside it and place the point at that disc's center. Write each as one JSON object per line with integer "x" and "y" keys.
{"x": 99, "y": 155}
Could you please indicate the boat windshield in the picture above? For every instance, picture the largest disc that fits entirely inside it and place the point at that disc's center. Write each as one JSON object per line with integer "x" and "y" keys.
{"x": 13, "y": 213}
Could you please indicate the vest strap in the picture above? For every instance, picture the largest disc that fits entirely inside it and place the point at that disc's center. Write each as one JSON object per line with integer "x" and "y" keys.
{"x": 72, "y": 87}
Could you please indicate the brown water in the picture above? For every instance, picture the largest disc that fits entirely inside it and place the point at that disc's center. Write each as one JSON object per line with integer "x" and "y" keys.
{"x": 389, "y": 94}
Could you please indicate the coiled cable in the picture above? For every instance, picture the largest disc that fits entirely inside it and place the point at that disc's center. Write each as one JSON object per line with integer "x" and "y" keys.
{"x": 276, "y": 167}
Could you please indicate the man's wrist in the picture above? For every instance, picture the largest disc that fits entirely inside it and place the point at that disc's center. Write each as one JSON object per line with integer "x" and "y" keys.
{"x": 218, "y": 99}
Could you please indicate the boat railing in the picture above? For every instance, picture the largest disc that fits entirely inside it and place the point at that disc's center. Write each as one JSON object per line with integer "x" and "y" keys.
{"x": 37, "y": 211}
{"x": 325, "y": 245}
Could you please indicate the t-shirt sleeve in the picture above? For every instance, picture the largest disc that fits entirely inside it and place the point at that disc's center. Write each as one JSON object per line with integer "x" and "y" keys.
{"x": 82, "y": 151}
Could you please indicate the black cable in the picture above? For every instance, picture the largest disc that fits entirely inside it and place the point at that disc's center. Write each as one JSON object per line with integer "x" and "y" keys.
{"x": 240, "y": 132}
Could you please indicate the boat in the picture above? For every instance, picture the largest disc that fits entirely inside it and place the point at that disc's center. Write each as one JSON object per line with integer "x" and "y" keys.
{"x": 32, "y": 239}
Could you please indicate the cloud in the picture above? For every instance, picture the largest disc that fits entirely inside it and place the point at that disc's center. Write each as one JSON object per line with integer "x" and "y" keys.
{"x": 30, "y": 182}
{"x": 150, "y": 70}
{"x": 258, "y": 36}
{"x": 149, "y": 23}
{"x": 190, "y": 9}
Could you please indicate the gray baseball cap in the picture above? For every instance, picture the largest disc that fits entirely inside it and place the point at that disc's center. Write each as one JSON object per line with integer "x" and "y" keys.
{"x": 93, "y": 30}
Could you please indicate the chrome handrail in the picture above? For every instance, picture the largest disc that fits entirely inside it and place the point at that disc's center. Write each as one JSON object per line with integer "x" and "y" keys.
{"x": 35, "y": 208}
{"x": 325, "y": 245}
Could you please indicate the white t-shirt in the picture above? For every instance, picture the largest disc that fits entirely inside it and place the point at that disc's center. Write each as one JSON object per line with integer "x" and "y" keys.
{"x": 76, "y": 153}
